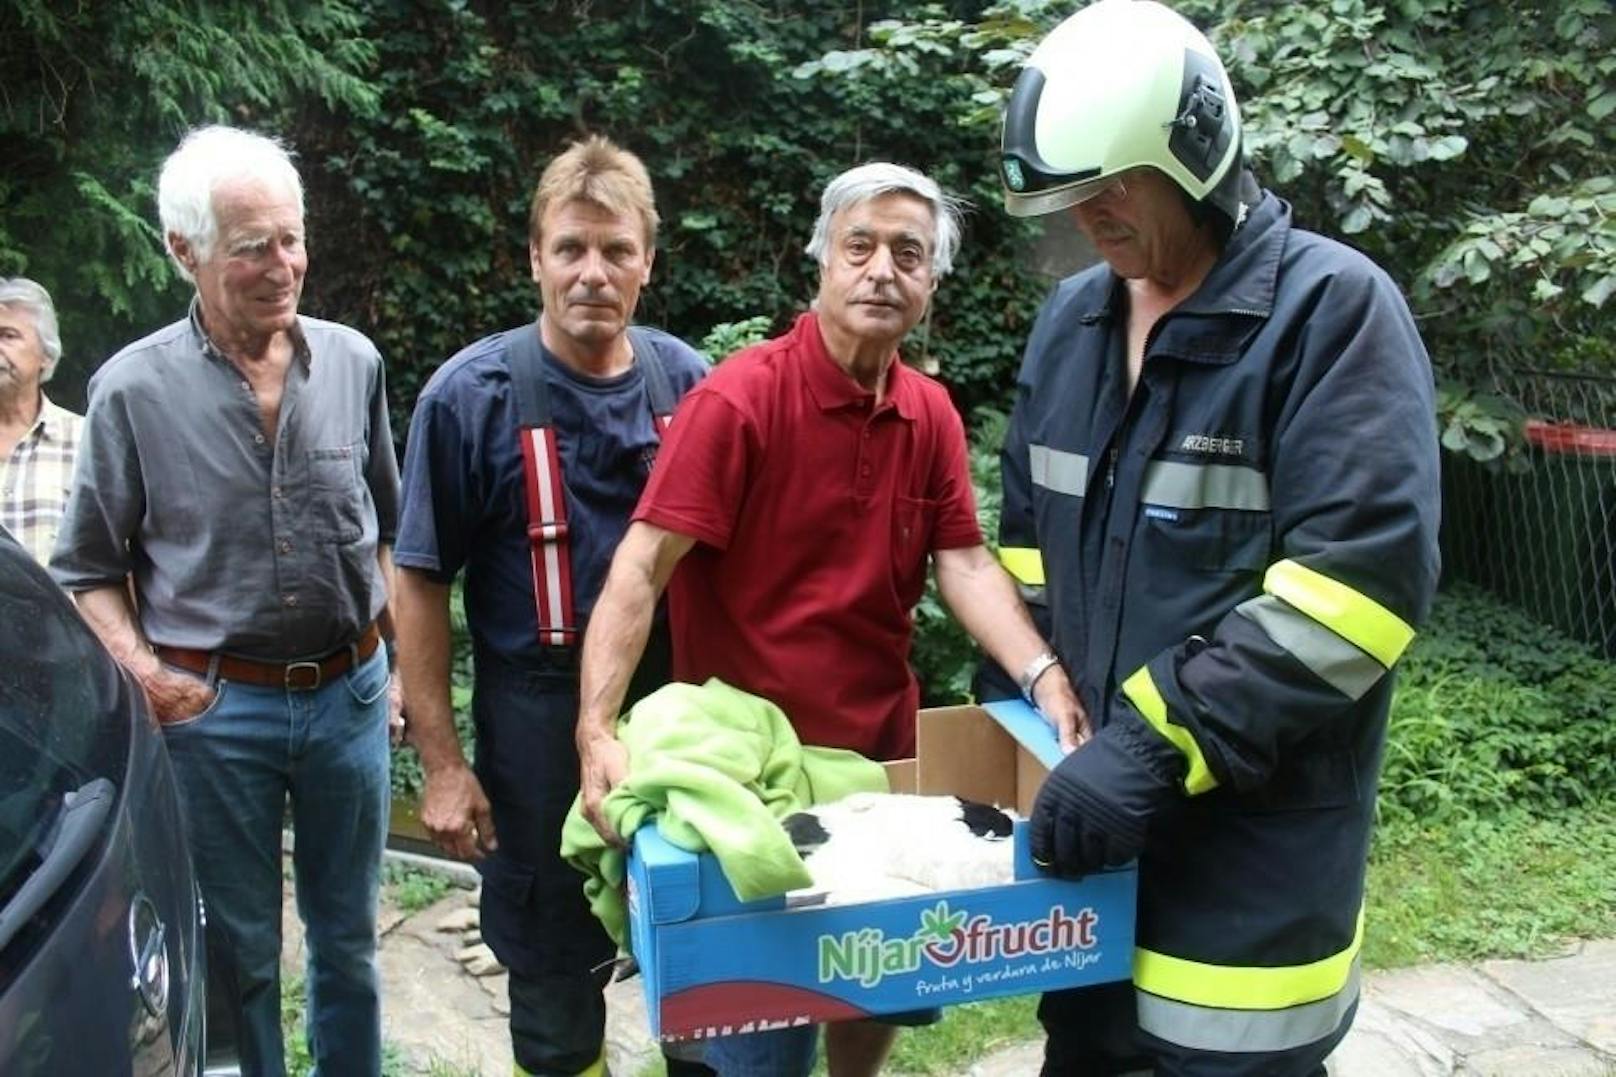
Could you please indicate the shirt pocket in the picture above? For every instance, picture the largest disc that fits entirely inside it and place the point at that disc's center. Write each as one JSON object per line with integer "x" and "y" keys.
{"x": 1220, "y": 541}
{"x": 913, "y": 521}
{"x": 336, "y": 501}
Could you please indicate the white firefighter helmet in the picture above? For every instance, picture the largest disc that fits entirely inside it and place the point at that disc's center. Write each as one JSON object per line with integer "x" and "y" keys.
{"x": 1121, "y": 84}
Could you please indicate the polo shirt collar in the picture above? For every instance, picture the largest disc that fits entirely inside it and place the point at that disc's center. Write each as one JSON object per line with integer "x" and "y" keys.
{"x": 829, "y": 384}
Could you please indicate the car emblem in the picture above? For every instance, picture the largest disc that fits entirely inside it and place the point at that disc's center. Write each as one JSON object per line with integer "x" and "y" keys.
{"x": 149, "y": 955}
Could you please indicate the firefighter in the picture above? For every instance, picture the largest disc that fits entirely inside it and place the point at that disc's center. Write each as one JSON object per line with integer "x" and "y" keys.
{"x": 1222, "y": 471}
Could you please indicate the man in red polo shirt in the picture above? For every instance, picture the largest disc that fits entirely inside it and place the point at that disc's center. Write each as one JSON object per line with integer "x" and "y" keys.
{"x": 800, "y": 493}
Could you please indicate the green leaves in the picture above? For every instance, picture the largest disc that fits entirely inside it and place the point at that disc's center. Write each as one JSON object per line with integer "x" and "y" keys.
{"x": 1565, "y": 238}
{"x": 1464, "y": 144}
{"x": 1447, "y": 147}
{"x": 1480, "y": 426}
{"x": 1495, "y": 711}
{"x": 97, "y": 94}
{"x": 727, "y": 338}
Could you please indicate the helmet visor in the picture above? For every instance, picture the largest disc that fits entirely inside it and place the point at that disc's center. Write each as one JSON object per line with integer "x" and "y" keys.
{"x": 1034, "y": 203}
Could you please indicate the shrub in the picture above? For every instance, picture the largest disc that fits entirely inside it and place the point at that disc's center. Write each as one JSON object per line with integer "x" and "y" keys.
{"x": 1495, "y": 710}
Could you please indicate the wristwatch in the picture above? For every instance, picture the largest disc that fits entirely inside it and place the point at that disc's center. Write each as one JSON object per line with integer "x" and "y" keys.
{"x": 1036, "y": 668}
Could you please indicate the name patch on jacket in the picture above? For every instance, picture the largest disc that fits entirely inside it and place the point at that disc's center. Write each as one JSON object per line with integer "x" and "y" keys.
{"x": 1213, "y": 445}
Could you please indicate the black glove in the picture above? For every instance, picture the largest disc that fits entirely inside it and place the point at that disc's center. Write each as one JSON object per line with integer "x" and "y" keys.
{"x": 1093, "y": 808}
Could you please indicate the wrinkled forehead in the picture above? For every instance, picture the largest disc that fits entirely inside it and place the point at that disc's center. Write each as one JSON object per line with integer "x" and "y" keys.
{"x": 249, "y": 203}
{"x": 896, "y": 216}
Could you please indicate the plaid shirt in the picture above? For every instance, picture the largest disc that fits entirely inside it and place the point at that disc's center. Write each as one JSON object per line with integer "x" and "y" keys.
{"x": 36, "y": 477}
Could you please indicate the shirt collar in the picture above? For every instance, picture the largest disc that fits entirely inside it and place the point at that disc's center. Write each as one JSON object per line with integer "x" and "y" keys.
{"x": 830, "y": 385}
{"x": 1246, "y": 275}
{"x": 1242, "y": 281}
{"x": 300, "y": 344}
{"x": 53, "y": 419}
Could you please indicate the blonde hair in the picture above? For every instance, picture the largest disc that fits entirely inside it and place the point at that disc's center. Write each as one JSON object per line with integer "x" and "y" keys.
{"x": 599, "y": 171}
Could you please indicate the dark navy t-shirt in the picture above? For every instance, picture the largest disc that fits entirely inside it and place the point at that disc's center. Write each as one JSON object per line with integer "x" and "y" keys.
{"x": 463, "y": 501}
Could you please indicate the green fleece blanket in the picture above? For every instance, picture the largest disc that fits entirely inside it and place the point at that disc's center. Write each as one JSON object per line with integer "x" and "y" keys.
{"x": 719, "y": 768}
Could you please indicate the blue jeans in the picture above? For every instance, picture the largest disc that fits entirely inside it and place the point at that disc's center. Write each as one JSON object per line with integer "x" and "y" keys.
{"x": 788, "y": 1052}
{"x": 782, "y": 1052}
{"x": 237, "y": 763}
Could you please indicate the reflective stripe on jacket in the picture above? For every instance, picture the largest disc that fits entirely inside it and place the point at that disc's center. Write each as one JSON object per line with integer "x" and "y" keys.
{"x": 1239, "y": 553}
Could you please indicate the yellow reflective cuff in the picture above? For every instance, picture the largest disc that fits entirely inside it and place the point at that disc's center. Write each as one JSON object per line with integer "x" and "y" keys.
{"x": 1142, "y": 693}
{"x": 1025, "y": 563}
{"x": 1352, "y": 615}
{"x": 1233, "y": 987}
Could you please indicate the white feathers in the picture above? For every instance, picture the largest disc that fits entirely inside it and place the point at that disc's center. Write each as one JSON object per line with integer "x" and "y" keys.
{"x": 874, "y": 846}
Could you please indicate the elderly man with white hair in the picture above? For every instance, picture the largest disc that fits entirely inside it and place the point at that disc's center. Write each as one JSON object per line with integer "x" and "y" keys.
{"x": 800, "y": 494}
{"x": 37, "y": 438}
{"x": 237, "y": 477}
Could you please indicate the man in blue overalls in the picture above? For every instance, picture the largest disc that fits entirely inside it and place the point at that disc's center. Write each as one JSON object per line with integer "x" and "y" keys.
{"x": 526, "y": 455}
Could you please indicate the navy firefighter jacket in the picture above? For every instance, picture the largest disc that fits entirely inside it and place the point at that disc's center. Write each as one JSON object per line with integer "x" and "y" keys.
{"x": 1239, "y": 552}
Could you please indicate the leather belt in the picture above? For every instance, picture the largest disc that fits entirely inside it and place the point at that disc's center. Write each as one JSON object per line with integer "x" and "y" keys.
{"x": 293, "y": 676}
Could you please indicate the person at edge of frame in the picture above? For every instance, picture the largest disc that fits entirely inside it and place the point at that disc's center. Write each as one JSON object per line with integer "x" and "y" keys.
{"x": 1222, "y": 470}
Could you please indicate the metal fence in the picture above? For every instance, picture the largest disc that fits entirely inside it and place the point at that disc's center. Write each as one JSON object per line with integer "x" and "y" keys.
{"x": 1538, "y": 528}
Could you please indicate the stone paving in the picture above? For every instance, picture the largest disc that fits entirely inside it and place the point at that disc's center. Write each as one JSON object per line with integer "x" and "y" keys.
{"x": 448, "y": 1021}
{"x": 1551, "y": 1018}
{"x": 1547, "y": 1018}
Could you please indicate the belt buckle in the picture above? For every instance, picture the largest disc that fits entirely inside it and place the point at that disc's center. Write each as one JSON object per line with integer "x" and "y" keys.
{"x": 290, "y": 679}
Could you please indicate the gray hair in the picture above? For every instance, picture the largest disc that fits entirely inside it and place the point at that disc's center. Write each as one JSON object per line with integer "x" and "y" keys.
{"x": 207, "y": 158}
{"x": 31, "y": 296}
{"x": 869, "y": 181}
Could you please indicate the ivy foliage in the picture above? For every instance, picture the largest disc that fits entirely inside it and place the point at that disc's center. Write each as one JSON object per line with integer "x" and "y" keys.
{"x": 419, "y": 220}
{"x": 1466, "y": 145}
{"x": 95, "y": 95}
{"x": 1495, "y": 712}
{"x": 421, "y": 127}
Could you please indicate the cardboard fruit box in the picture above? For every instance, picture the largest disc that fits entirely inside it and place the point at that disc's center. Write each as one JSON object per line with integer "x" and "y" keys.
{"x": 714, "y": 965}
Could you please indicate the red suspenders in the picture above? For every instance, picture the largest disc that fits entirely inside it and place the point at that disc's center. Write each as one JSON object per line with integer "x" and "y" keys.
{"x": 547, "y": 535}
{"x": 546, "y": 497}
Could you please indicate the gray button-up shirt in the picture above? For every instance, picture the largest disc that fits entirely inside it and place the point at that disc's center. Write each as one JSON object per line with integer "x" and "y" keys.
{"x": 238, "y": 543}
